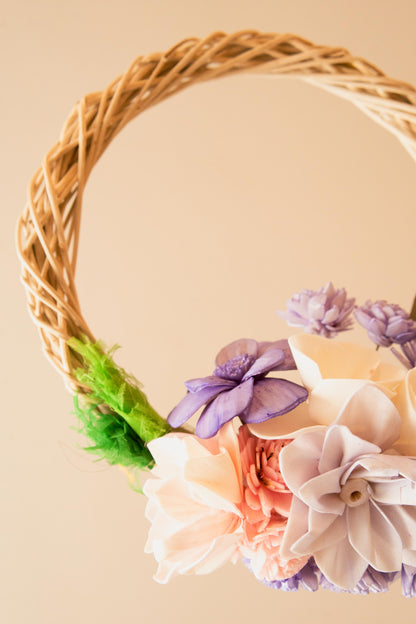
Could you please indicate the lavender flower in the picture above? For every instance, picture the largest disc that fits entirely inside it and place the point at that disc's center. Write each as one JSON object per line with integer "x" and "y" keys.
{"x": 372, "y": 581}
{"x": 238, "y": 387}
{"x": 409, "y": 351}
{"x": 408, "y": 581}
{"x": 325, "y": 312}
{"x": 386, "y": 323}
{"x": 307, "y": 578}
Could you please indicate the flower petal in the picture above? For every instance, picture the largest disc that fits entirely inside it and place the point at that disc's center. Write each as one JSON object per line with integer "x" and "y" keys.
{"x": 238, "y": 347}
{"x": 322, "y": 492}
{"x": 374, "y": 537}
{"x": 325, "y": 530}
{"x": 297, "y": 526}
{"x": 406, "y": 404}
{"x": 196, "y": 385}
{"x": 299, "y": 460}
{"x": 287, "y": 425}
{"x": 225, "y": 407}
{"x": 191, "y": 404}
{"x": 403, "y": 518}
{"x": 341, "y": 564}
{"x": 370, "y": 415}
{"x": 273, "y": 397}
{"x": 318, "y": 358}
{"x": 289, "y": 362}
{"x": 341, "y": 447}
{"x": 270, "y": 360}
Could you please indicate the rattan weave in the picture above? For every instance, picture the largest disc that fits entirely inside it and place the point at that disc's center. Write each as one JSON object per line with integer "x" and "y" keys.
{"x": 48, "y": 229}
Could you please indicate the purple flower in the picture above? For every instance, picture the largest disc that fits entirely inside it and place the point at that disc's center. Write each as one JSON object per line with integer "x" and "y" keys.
{"x": 238, "y": 387}
{"x": 409, "y": 350}
{"x": 373, "y": 581}
{"x": 408, "y": 581}
{"x": 307, "y": 578}
{"x": 325, "y": 312}
{"x": 311, "y": 578}
{"x": 386, "y": 323}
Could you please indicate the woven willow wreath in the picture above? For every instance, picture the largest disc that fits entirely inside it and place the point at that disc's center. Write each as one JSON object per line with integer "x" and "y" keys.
{"x": 239, "y": 493}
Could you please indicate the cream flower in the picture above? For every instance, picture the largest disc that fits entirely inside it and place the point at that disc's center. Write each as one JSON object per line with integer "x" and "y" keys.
{"x": 331, "y": 371}
{"x": 405, "y": 402}
{"x": 354, "y": 504}
{"x": 193, "y": 503}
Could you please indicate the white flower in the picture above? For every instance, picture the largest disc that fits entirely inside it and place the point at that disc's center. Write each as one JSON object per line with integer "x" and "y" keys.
{"x": 193, "y": 504}
{"x": 354, "y": 501}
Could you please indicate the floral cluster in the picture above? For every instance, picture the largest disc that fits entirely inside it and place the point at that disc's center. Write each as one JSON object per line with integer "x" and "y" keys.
{"x": 309, "y": 484}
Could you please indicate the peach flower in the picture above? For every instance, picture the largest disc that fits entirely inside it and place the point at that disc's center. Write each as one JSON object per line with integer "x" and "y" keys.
{"x": 194, "y": 503}
{"x": 266, "y": 506}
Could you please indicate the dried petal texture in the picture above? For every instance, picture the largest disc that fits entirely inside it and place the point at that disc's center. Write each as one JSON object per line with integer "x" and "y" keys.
{"x": 354, "y": 504}
{"x": 386, "y": 323}
{"x": 194, "y": 503}
{"x": 324, "y": 312}
{"x": 238, "y": 387}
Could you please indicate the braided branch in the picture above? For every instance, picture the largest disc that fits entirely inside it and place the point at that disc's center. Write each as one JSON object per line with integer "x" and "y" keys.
{"x": 48, "y": 230}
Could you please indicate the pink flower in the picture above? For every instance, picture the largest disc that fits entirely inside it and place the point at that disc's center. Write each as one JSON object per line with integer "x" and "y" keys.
{"x": 194, "y": 503}
{"x": 266, "y": 506}
{"x": 266, "y": 495}
{"x": 263, "y": 551}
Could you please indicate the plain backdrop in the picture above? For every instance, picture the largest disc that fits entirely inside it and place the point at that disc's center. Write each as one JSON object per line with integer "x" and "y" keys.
{"x": 205, "y": 215}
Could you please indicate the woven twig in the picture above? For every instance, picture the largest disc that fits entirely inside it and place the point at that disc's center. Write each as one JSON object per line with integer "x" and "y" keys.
{"x": 48, "y": 230}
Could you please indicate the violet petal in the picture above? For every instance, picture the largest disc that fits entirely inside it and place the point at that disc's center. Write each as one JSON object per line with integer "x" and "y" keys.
{"x": 191, "y": 404}
{"x": 238, "y": 347}
{"x": 195, "y": 385}
{"x": 225, "y": 407}
{"x": 288, "y": 363}
{"x": 271, "y": 358}
{"x": 274, "y": 397}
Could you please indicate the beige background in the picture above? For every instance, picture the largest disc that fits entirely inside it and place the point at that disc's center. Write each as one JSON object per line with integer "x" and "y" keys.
{"x": 201, "y": 220}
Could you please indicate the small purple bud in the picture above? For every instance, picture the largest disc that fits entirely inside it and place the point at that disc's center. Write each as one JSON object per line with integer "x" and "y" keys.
{"x": 386, "y": 323}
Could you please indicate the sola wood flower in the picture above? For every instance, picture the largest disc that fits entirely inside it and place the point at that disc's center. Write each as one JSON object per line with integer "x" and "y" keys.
{"x": 266, "y": 505}
{"x": 194, "y": 503}
{"x": 354, "y": 504}
{"x": 238, "y": 387}
{"x": 325, "y": 312}
{"x": 332, "y": 371}
{"x": 386, "y": 323}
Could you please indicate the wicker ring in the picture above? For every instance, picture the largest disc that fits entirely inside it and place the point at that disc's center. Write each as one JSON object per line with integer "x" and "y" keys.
{"x": 48, "y": 230}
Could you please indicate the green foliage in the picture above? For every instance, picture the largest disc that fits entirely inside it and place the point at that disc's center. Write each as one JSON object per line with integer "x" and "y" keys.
{"x": 112, "y": 438}
{"x": 111, "y": 386}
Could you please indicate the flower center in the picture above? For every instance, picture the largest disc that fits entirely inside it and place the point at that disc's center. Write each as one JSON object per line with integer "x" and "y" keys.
{"x": 355, "y": 492}
{"x": 236, "y": 368}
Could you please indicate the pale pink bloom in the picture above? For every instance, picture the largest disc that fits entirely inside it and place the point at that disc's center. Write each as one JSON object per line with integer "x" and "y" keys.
{"x": 263, "y": 551}
{"x": 354, "y": 502}
{"x": 194, "y": 503}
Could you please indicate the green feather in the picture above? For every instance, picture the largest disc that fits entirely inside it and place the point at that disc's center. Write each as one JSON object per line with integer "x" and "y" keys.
{"x": 110, "y": 385}
{"x": 112, "y": 438}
